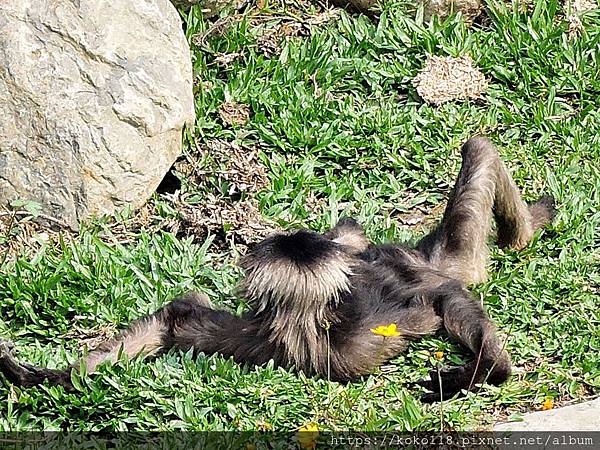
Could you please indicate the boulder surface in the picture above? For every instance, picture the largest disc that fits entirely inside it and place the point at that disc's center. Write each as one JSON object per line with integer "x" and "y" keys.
{"x": 93, "y": 97}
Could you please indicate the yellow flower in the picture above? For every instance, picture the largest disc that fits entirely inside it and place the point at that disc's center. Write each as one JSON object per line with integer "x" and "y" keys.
{"x": 307, "y": 436}
{"x": 250, "y": 446}
{"x": 386, "y": 330}
{"x": 310, "y": 427}
{"x": 548, "y": 404}
{"x": 438, "y": 355}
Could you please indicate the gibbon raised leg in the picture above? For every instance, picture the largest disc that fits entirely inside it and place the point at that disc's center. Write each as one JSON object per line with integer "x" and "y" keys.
{"x": 459, "y": 247}
{"x": 315, "y": 297}
{"x": 484, "y": 188}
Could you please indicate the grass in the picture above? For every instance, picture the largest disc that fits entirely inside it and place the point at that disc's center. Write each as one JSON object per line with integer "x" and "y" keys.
{"x": 337, "y": 120}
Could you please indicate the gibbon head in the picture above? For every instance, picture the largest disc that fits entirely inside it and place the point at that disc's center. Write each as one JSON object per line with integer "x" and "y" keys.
{"x": 300, "y": 268}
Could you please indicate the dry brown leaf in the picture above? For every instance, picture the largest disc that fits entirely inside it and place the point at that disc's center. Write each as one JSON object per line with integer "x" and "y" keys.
{"x": 233, "y": 113}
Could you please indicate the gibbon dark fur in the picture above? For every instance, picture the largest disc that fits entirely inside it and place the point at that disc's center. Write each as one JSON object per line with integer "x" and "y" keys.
{"x": 315, "y": 297}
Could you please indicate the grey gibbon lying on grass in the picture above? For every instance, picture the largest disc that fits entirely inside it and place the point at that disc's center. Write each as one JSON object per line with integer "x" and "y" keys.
{"x": 315, "y": 297}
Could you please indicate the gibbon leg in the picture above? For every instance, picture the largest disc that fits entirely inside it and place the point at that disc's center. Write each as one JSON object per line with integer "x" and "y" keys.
{"x": 458, "y": 246}
{"x": 26, "y": 375}
{"x": 146, "y": 336}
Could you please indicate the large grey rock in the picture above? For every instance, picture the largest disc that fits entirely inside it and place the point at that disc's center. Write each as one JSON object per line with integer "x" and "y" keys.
{"x": 93, "y": 97}
{"x": 580, "y": 417}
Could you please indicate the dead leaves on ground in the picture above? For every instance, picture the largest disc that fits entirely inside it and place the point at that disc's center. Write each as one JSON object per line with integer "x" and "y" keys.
{"x": 234, "y": 175}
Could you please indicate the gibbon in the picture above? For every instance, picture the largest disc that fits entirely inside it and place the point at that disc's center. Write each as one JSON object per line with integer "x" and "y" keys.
{"x": 315, "y": 297}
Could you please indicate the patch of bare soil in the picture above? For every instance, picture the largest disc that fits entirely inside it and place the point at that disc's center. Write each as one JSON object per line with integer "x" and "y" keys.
{"x": 230, "y": 209}
{"x": 580, "y": 6}
{"x": 222, "y": 203}
{"x": 273, "y": 27}
{"x": 234, "y": 169}
{"x": 235, "y": 223}
{"x": 19, "y": 233}
{"x": 273, "y": 36}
